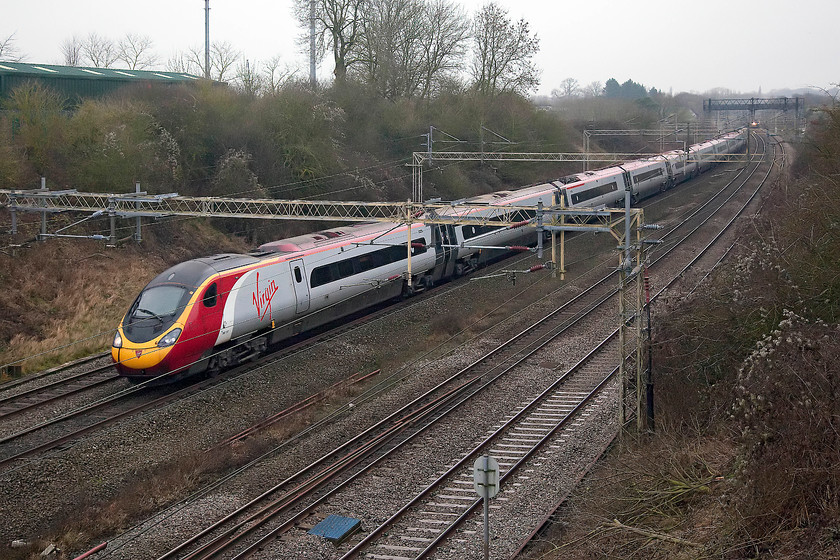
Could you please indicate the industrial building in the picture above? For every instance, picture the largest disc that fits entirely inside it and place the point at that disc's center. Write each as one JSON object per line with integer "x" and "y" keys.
{"x": 77, "y": 83}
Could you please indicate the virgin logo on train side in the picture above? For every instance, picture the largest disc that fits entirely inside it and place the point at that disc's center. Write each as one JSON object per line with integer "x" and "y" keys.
{"x": 262, "y": 298}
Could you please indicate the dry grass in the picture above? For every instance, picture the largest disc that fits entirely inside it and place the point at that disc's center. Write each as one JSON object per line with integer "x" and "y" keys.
{"x": 744, "y": 464}
{"x": 69, "y": 296}
{"x": 648, "y": 500}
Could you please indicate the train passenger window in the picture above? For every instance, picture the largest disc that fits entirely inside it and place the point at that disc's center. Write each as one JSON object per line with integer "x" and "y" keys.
{"x": 365, "y": 262}
{"x": 416, "y": 250}
{"x": 210, "y": 295}
{"x": 298, "y": 275}
{"x": 320, "y": 276}
{"x": 379, "y": 258}
{"x": 345, "y": 268}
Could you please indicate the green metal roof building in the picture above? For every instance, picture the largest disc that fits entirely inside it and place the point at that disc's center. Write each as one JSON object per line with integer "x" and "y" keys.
{"x": 77, "y": 83}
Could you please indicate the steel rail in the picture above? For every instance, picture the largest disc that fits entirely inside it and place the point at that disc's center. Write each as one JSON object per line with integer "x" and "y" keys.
{"x": 51, "y": 371}
{"x": 534, "y": 328}
{"x": 477, "y": 450}
{"x": 581, "y": 294}
{"x": 68, "y": 382}
{"x": 655, "y": 296}
{"x": 432, "y": 487}
{"x": 511, "y": 342}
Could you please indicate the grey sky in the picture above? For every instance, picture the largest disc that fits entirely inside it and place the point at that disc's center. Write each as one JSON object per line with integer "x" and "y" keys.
{"x": 667, "y": 44}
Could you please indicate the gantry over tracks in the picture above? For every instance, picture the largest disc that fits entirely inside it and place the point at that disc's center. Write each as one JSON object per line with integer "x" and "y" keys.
{"x": 140, "y": 204}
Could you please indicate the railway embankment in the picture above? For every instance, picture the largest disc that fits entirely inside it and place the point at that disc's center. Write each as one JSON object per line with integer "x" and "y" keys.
{"x": 65, "y": 297}
{"x": 743, "y": 462}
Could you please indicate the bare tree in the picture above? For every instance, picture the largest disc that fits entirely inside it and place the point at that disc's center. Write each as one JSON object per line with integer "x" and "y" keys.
{"x": 273, "y": 76}
{"x": 72, "y": 51}
{"x": 448, "y": 29}
{"x": 9, "y": 51}
{"x": 223, "y": 57}
{"x": 569, "y": 87}
{"x": 504, "y": 53}
{"x": 136, "y": 52}
{"x": 410, "y": 47}
{"x": 593, "y": 89}
{"x": 389, "y": 46}
{"x": 247, "y": 77}
{"x": 184, "y": 63}
{"x": 99, "y": 52}
{"x": 338, "y": 24}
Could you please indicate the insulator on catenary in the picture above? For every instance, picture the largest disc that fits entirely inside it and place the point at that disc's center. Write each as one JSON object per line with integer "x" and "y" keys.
{"x": 536, "y": 267}
{"x": 520, "y": 224}
{"x": 518, "y": 248}
{"x": 418, "y": 245}
{"x": 394, "y": 277}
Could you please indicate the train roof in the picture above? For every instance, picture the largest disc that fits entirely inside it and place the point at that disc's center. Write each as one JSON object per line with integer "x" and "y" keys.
{"x": 590, "y": 175}
{"x": 510, "y": 197}
{"x": 193, "y": 272}
{"x": 318, "y": 238}
{"x": 636, "y": 164}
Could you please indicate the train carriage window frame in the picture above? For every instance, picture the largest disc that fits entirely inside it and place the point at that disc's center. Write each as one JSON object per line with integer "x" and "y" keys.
{"x": 647, "y": 175}
{"x": 594, "y": 192}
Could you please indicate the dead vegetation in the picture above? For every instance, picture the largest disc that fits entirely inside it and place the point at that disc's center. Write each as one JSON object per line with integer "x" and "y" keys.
{"x": 744, "y": 461}
{"x": 67, "y": 296}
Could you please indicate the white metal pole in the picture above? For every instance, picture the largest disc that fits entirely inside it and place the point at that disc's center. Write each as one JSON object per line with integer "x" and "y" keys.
{"x": 207, "y": 39}
{"x": 312, "y": 79}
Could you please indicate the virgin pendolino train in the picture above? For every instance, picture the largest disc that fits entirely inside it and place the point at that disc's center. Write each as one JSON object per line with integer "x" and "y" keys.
{"x": 207, "y": 314}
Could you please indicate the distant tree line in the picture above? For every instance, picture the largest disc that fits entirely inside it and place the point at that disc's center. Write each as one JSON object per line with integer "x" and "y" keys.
{"x": 398, "y": 48}
{"x": 570, "y": 87}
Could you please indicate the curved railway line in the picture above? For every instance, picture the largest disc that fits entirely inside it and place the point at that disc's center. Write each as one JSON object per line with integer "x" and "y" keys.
{"x": 438, "y": 521}
{"x": 27, "y": 438}
{"x": 32, "y": 431}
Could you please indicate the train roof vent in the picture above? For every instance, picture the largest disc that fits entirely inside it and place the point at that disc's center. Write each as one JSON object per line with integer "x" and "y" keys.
{"x": 261, "y": 254}
{"x": 501, "y": 194}
{"x": 279, "y": 247}
{"x": 569, "y": 179}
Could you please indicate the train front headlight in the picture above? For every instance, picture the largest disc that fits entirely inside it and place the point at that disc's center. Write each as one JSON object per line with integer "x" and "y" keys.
{"x": 117, "y": 340}
{"x": 170, "y": 338}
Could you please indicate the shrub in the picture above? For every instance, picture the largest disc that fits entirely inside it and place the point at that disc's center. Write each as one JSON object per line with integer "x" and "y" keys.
{"x": 39, "y": 124}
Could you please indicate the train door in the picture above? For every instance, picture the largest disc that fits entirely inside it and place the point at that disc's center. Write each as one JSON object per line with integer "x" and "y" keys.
{"x": 669, "y": 179}
{"x": 628, "y": 186}
{"x": 211, "y": 312}
{"x": 444, "y": 252}
{"x": 300, "y": 286}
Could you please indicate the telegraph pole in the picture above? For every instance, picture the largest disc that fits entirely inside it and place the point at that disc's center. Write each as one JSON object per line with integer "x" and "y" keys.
{"x": 207, "y": 39}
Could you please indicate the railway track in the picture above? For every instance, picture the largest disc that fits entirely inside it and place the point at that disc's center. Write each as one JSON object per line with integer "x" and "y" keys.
{"x": 58, "y": 427}
{"x": 29, "y": 399}
{"x": 547, "y": 519}
{"x": 448, "y": 503}
{"x": 294, "y": 500}
{"x": 9, "y": 386}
